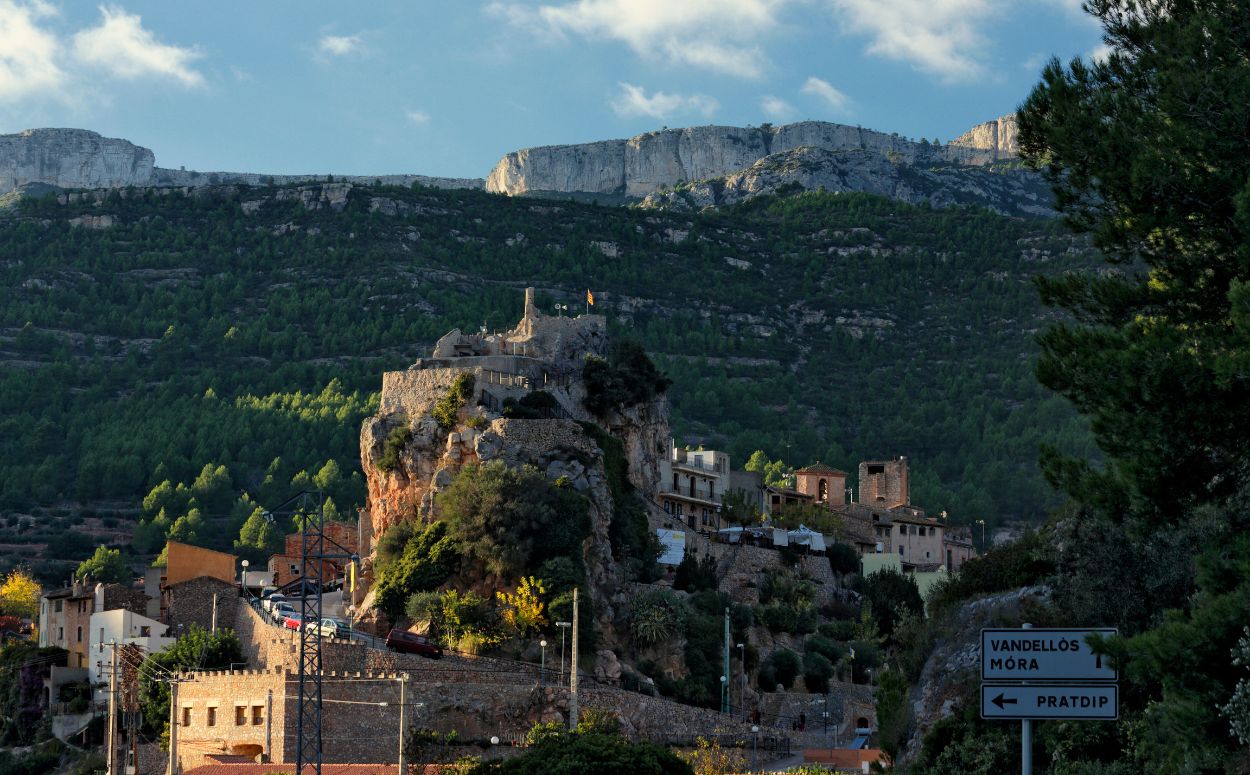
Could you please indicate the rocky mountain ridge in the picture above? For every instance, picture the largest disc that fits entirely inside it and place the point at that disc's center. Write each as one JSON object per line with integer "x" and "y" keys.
{"x": 80, "y": 158}
{"x": 1001, "y": 187}
{"x": 653, "y": 161}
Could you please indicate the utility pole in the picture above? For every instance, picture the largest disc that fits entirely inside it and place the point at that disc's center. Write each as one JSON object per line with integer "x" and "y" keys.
{"x": 403, "y": 700}
{"x": 724, "y": 682}
{"x": 573, "y": 669}
{"x": 173, "y": 727}
{"x": 112, "y": 744}
{"x": 214, "y": 628}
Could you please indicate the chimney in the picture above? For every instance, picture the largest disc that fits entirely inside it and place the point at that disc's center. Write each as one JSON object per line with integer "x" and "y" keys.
{"x": 531, "y": 309}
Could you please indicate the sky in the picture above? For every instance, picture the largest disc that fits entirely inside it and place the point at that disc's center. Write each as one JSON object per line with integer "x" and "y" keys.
{"x": 446, "y": 88}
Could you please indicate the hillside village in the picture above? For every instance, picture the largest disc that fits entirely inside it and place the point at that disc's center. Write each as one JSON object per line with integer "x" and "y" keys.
{"x": 786, "y": 559}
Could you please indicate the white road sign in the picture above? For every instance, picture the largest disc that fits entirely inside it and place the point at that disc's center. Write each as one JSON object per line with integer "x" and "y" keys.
{"x": 1042, "y": 655}
{"x": 672, "y": 545}
{"x": 1091, "y": 702}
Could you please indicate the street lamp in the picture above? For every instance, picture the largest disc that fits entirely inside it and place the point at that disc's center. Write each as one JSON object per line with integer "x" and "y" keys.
{"x": 724, "y": 688}
{"x": 981, "y": 522}
{"x": 243, "y": 582}
{"x": 542, "y": 669}
{"x": 564, "y": 627}
{"x": 755, "y": 736}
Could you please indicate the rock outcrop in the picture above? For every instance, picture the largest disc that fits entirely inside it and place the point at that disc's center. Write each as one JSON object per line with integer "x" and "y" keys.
{"x": 999, "y": 137}
{"x": 78, "y": 158}
{"x": 1010, "y": 190}
{"x": 652, "y": 161}
{"x": 72, "y": 158}
{"x": 541, "y": 353}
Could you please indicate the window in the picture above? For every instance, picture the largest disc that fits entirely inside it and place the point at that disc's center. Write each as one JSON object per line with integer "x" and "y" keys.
{"x": 926, "y": 555}
{"x": 692, "y": 487}
{"x": 60, "y": 633}
{"x": 294, "y": 569}
{"x": 145, "y": 632}
{"x": 80, "y": 636}
{"x": 711, "y": 490}
{"x": 676, "y": 488}
{"x": 680, "y": 510}
{"x": 258, "y": 715}
{"x": 900, "y": 549}
{"x": 240, "y": 715}
{"x": 59, "y": 604}
{"x": 823, "y": 490}
{"x": 101, "y": 635}
{"x": 705, "y": 519}
{"x": 212, "y": 716}
{"x": 668, "y": 507}
{"x": 933, "y": 531}
{"x": 186, "y": 717}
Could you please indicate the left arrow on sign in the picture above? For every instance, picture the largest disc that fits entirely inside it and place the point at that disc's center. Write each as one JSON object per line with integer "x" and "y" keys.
{"x": 1002, "y": 701}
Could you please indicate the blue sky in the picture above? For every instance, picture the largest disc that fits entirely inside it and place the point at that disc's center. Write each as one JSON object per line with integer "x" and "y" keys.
{"x": 446, "y": 88}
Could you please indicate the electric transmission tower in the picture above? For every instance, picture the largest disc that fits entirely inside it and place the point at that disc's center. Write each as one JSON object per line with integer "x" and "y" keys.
{"x": 315, "y": 551}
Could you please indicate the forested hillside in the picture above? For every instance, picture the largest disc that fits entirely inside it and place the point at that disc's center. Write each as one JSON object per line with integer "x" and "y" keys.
{"x": 147, "y": 333}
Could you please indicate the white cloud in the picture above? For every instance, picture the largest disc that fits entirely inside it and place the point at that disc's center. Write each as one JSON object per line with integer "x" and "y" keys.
{"x": 716, "y": 35}
{"x": 1100, "y": 53}
{"x": 121, "y": 47}
{"x": 825, "y": 91}
{"x": 29, "y": 54}
{"x": 418, "y": 117}
{"x": 340, "y": 45}
{"x": 633, "y": 101}
{"x": 941, "y": 37}
{"x": 775, "y": 107}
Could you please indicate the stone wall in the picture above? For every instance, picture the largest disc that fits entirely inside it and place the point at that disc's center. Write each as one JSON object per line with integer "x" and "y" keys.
{"x": 260, "y": 694}
{"x": 191, "y": 602}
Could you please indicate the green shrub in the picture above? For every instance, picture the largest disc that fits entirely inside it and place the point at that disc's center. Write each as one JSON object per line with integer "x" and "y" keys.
{"x": 626, "y": 378}
{"x": 427, "y": 560}
{"x": 694, "y": 574}
{"x": 817, "y": 670}
{"x": 842, "y": 630}
{"x": 538, "y": 405}
{"x": 1018, "y": 564}
{"x": 823, "y": 645}
{"x": 843, "y": 559}
{"x": 889, "y": 593}
{"x": 655, "y": 617}
{"x": 634, "y": 544}
{"x": 395, "y": 442}
{"x": 512, "y": 520}
{"x": 778, "y": 617}
{"x": 447, "y": 409}
{"x": 781, "y": 668}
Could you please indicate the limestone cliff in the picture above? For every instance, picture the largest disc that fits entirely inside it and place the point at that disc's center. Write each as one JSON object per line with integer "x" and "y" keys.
{"x": 999, "y": 137}
{"x": 649, "y": 162}
{"x": 1007, "y": 190}
{"x": 71, "y": 158}
{"x": 78, "y": 158}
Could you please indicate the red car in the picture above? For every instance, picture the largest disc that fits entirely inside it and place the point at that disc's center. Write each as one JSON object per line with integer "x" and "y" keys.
{"x": 411, "y": 643}
{"x": 293, "y": 620}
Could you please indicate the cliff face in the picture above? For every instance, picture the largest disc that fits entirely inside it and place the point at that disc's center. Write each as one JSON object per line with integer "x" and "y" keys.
{"x": 654, "y": 160}
{"x": 78, "y": 158}
{"x": 999, "y": 137}
{"x": 1007, "y": 191}
{"x": 71, "y": 158}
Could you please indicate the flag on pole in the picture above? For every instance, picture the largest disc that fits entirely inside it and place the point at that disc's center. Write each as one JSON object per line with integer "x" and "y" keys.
{"x": 852, "y": 652}
{"x": 590, "y": 298}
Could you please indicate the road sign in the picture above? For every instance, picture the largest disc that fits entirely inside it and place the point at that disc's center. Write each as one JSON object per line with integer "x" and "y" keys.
{"x": 1042, "y": 655}
{"x": 1051, "y": 701}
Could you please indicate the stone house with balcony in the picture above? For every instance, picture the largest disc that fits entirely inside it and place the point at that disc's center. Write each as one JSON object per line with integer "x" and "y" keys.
{"x": 693, "y": 484}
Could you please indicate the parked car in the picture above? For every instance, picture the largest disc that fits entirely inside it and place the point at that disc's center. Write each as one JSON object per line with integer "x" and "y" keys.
{"x": 280, "y": 611}
{"x": 265, "y": 592}
{"x": 293, "y": 621}
{"x": 332, "y": 628}
{"x": 411, "y": 643}
{"x": 273, "y": 600}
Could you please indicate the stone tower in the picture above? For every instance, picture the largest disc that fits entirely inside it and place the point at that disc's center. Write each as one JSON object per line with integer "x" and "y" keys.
{"x": 825, "y": 484}
{"x": 884, "y": 483}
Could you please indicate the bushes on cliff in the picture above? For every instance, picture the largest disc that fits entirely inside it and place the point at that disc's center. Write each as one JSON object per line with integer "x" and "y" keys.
{"x": 634, "y": 545}
{"x": 447, "y": 408}
{"x": 626, "y": 378}
{"x": 427, "y": 559}
{"x": 512, "y": 520}
{"x": 395, "y": 442}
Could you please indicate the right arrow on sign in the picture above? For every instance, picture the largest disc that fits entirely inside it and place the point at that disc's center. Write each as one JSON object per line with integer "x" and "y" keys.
{"x": 1002, "y": 701}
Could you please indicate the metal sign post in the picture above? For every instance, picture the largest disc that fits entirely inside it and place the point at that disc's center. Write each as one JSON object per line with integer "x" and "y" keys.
{"x": 1045, "y": 673}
